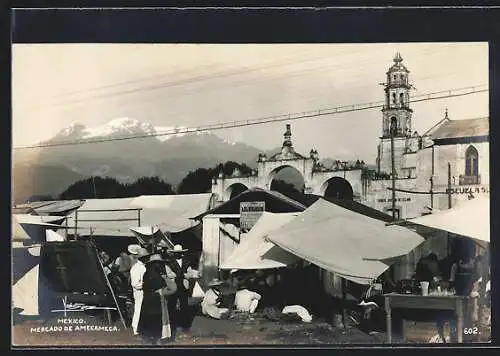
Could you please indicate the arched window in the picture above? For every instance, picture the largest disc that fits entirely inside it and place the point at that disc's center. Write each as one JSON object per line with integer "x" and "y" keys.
{"x": 471, "y": 162}
{"x": 394, "y": 98}
{"x": 394, "y": 126}
{"x": 401, "y": 99}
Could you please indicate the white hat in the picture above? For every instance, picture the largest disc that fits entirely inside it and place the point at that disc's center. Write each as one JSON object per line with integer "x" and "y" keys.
{"x": 133, "y": 249}
{"x": 178, "y": 248}
{"x": 142, "y": 253}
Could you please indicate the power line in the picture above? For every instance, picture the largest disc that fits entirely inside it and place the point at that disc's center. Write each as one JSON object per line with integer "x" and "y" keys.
{"x": 271, "y": 119}
{"x": 216, "y": 75}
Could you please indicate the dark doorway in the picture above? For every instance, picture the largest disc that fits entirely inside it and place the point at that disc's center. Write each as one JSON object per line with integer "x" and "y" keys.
{"x": 237, "y": 189}
{"x": 339, "y": 188}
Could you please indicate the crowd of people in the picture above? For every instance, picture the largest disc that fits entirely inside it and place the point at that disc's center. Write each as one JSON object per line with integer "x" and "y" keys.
{"x": 160, "y": 280}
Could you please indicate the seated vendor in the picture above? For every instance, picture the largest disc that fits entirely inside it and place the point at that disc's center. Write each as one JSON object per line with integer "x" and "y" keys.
{"x": 211, "y": 302}
{"x": 246, "y": 300}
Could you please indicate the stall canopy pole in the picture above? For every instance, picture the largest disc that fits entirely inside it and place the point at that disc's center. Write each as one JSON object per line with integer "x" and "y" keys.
{"x": 113, "y": 295}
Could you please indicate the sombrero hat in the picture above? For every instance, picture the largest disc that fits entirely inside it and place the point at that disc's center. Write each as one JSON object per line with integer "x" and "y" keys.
{"x": 177, "y": 249}
{"x": 215, "y": 282}
{"x": 133, "y": 249}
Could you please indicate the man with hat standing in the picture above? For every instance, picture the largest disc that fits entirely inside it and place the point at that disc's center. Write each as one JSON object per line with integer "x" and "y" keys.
{"x": 154, "y": 321}
{"x": 136, "y": 278}
{"x": 179, "y": 264}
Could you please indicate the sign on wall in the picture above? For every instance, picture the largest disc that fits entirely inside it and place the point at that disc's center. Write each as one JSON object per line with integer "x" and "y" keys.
{"x": 250, "y": 212}
{"x": 468, "y": 190}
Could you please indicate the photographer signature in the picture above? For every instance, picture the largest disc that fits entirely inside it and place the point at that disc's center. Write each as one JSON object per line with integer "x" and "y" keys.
{"x": 78, "y": 307}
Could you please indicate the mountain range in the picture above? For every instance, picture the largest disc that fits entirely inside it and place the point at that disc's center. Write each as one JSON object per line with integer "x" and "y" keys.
{"x": 50, "y": 170}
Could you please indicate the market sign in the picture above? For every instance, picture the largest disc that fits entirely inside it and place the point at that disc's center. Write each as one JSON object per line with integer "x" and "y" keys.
{"x": 390, "y": 200}
{"x": 250, "y": 212}
{"x": 468, "y": 190}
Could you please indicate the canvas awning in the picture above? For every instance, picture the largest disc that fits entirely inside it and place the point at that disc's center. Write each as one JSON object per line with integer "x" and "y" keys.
{"x": 33, "y": 227}
{"x": 255, "y": 252}
{"x": 354, "y": 246}
{"x": 469, "y": 218}
{"x": 147, "y": 233}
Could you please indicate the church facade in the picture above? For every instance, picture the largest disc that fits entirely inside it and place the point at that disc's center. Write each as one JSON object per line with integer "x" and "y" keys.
{"x": 432, "y": 170}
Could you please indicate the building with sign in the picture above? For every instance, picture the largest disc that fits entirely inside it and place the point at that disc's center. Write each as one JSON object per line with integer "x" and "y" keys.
{"x": 224, "y": 226}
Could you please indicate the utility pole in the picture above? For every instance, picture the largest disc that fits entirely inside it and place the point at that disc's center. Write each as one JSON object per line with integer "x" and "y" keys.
{"x": 393, "y": 131}
{"x": 432, "y": 179}
{"x": 449, "y": 185}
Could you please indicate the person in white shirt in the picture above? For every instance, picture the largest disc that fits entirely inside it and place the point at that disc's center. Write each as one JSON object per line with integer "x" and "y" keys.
{"x": 136, "y": 277}
{"x": 246, "y": 300}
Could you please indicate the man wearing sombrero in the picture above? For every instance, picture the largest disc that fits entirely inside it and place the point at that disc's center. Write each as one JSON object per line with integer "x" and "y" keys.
{"x": 154, "y": 321}
{"x": 136, "y": 278}
{"x": 180, "y": 265}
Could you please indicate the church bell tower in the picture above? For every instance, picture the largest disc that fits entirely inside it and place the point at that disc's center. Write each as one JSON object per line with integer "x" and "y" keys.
{"x": 396, "y": 117}
{"x": 396, "y": 111}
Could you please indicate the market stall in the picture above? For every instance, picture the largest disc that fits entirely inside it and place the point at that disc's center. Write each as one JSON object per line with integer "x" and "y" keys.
{"x": 459, "y": 289}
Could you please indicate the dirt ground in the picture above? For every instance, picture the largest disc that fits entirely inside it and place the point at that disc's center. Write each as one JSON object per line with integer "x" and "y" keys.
{"x": 239, "y": 329}
{"x": 243, "y": 330}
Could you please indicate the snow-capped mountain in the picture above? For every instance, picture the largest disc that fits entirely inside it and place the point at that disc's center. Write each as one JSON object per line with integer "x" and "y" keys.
{"x": 169, "y": 156}
{"x": 124, "y": 127}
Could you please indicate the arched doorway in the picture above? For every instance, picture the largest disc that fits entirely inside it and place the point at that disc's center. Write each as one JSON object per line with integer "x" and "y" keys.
{"x": 338, "y": 188}
{"x": 287, "y": 180}
{"x": 234, "y": 190}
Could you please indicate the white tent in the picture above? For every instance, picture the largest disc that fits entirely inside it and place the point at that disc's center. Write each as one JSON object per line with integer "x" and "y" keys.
{"x": 254, "y": 252}
{"x": 469, "y": 218}
{"x": 27, "y": 227}
{"x": 25, "y": 287}
{"x": 354, "y": 246}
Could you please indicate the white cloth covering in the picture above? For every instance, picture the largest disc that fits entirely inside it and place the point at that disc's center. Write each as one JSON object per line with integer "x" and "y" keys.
{"x": 299, "y": 310}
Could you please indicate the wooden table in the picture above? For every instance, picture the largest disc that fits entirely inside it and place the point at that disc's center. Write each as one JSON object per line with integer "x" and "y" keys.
{"x": 412, "y": 301}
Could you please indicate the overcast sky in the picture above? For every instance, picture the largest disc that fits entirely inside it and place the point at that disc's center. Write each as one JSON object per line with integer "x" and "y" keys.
{"x": 55, "y": 85}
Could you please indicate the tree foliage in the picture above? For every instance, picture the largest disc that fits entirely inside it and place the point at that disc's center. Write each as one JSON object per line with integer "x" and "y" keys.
{"x": 286, "y": 188}
{"x": 98, "y": 187}
{"x": 197, "y": 181}
{"x": 149, "y": 186}
{"x": 200, "y": 180}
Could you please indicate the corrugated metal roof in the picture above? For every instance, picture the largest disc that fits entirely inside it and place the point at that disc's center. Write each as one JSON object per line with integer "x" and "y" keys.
{"x": 462, "y": 128}
{"x": 55, "y": 207}
{"x": 169, "y": 212}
